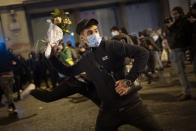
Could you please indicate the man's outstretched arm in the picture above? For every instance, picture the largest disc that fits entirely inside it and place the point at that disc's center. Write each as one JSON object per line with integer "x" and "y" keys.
{"x": 68, "y": 71}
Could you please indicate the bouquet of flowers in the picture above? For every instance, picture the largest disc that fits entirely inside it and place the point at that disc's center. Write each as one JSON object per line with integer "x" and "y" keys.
{"x": 59, "y": 25}
{"x": 62, "y": 20}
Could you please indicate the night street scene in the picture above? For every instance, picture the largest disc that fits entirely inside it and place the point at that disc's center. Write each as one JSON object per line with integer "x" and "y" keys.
{"x": 97, "y": 65}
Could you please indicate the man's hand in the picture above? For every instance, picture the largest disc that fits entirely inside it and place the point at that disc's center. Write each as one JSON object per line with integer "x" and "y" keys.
{"x": 54, "y": 49}
{"x": 13, "y": 62}
{"x": 50, "y": 50}
{"x": 121, "y": 87}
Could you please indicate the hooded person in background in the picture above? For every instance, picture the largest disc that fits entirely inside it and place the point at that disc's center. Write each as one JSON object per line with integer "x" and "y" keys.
{"x": 6, "y": 76}
{"x": 103, "y": 64}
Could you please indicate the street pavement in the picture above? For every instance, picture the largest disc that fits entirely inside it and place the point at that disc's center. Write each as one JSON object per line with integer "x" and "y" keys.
{"x": 77, "y": 113}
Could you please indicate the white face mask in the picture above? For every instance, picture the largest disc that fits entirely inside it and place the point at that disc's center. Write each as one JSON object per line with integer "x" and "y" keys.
{"x": 114, "y": 33}
{"x": 94, "y": 40}
{"x": 155, "y": 37}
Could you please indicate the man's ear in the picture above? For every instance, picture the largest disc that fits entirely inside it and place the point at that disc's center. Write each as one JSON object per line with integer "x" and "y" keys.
{"x": 82, "y": 38}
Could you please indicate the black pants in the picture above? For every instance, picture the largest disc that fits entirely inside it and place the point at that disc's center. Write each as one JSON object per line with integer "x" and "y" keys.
{"x": 65, "y": 89}
{"x": 107, "y": 120}
{"x": 37, "y": 79}
{"x": 18, "y": 85}
{"x": 137, "y": 115}
{"x": 6, "y": 84}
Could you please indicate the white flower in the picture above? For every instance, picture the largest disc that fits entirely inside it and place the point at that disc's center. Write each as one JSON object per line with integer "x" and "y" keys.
{"x": 65, "y": 21}
{"x": 67, "y": 13}
{"x": 69, "y": 22}
{"x": 48, "y": 20}
{"x": 57, "y": 20}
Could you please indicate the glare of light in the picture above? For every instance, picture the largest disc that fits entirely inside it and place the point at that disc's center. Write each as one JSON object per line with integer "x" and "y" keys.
{"x": 2, "y": 45}
{"x": 1, "y": 42}
{"x": 72, "y": 33}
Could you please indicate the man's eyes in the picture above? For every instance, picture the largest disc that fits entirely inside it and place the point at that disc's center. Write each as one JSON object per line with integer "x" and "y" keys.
{"x": 90, "y": 32}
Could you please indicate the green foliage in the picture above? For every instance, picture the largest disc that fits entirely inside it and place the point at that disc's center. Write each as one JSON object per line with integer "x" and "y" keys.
{"x": 62, "y": 20}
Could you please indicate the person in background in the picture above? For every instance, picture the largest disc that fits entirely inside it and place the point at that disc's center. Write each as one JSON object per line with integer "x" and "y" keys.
{"x": 192, "y": 20}
{"x": 74, "y": 51}
{"x": 34, "y": 67}
{"x": 157, "y": 40}
{"x": 147, "y": 43}
{"x": 19, "y": 72}
{"x": 43, "y": 69}
{"x": 179, "y": 34}
{"x": 159, "y": 33}
{"x": 7, "y": 76}
{"x": 163, "y": 46}
{"x": 165, "y": 53}
{"x": 116, "y": 31}
{"x": 132, "y": 36}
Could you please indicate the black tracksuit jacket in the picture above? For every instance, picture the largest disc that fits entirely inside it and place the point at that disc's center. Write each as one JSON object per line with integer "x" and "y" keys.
{"x": 110, "y": 55}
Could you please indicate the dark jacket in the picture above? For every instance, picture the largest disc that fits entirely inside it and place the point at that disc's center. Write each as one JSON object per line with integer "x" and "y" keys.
{"x": 146, "y": 42}
{"x": 67, "y": 88}
{"x": 179, "y": 35}
{"x": 6, "y": 59}
{"x": 193, "y": 37}
{"x": 111, "y": 55}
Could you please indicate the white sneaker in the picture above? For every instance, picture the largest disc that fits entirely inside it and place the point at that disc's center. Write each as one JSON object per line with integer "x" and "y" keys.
{"x": 27, "y": 91}
{"x": 12, "y": 111}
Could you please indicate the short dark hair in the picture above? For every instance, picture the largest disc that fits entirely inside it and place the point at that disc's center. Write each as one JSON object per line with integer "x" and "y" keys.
{"x": 115, "y": 28}
{"x": 179, "y": 10}
{"x": 124, "y": 30}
